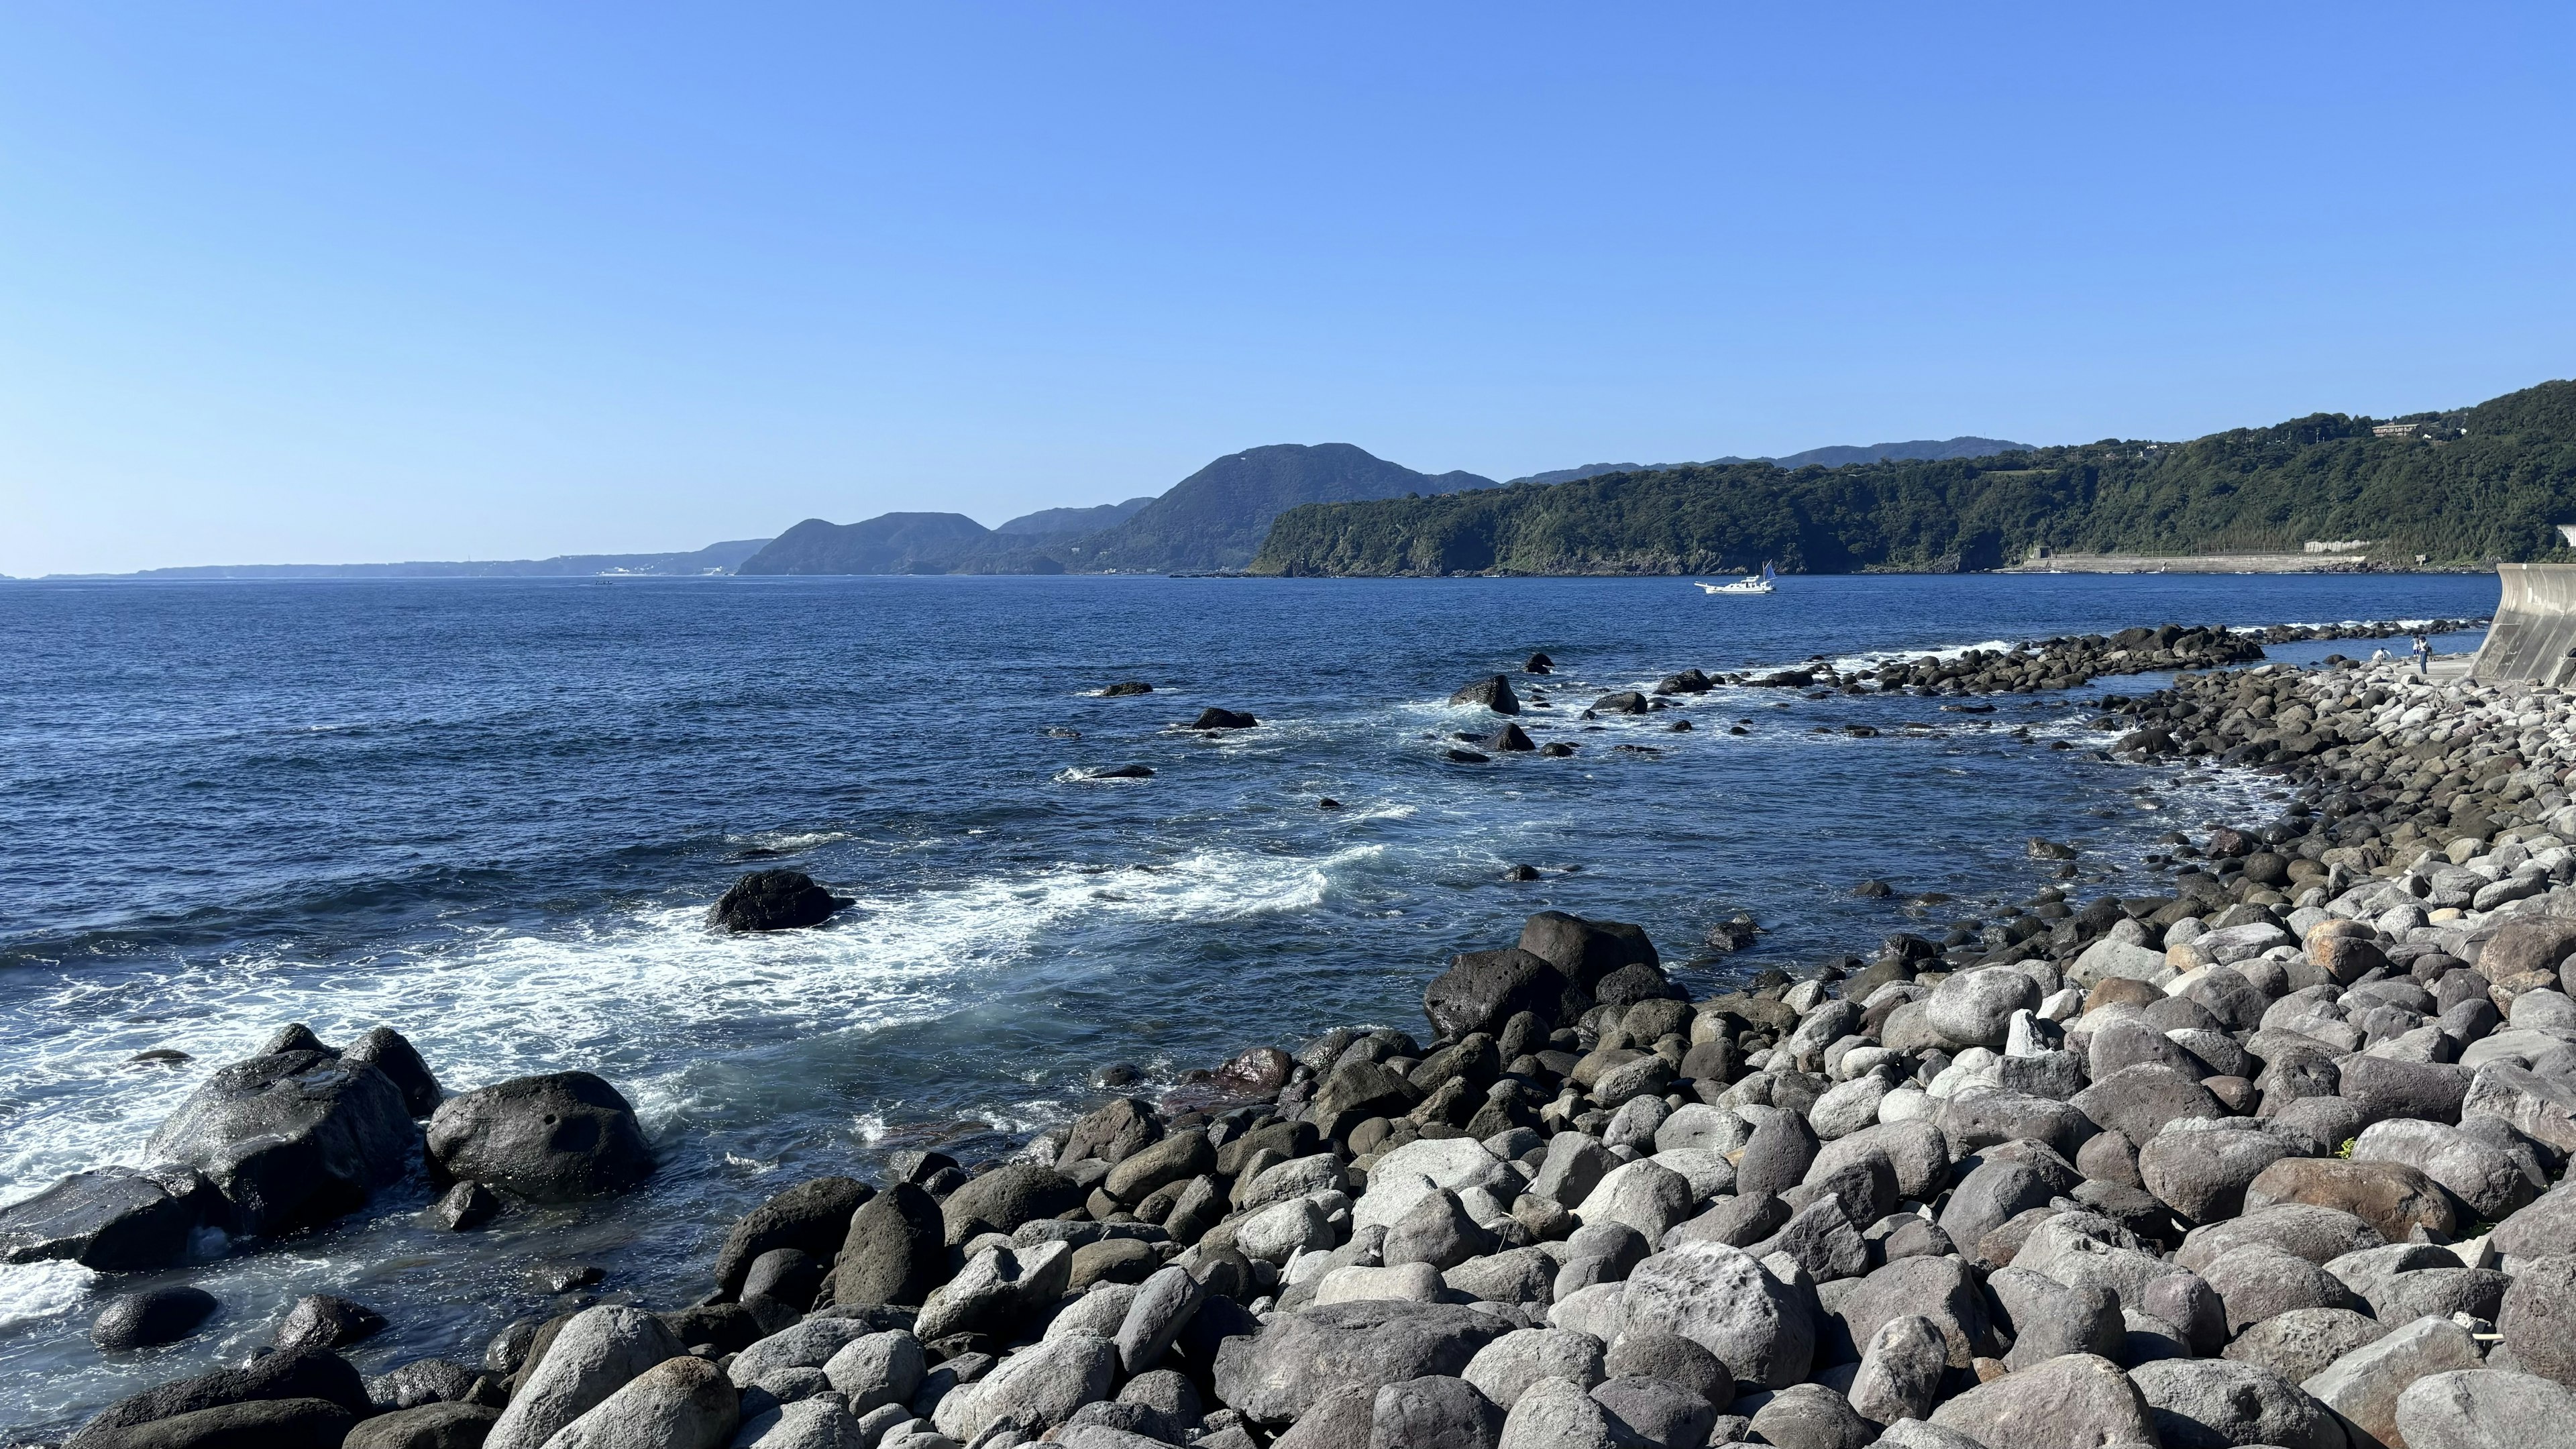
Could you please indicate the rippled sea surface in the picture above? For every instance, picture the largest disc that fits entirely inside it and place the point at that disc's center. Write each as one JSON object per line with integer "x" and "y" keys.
{"x": 493, "y": 814}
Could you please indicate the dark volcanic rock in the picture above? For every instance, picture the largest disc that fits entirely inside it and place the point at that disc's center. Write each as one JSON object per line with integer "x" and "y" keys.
{"x": 151, "y": 1317}
{"x": 319, "y": 1320}
{"x": 1586, "y": 950}
{"x": 774, "y": 900}
{"x": 290, "y": 1140}
{"x": 1494, "y": 692}
{"x": 391, "y": 1053}
{"x": 561, "y": 1137}
{"x": 1223, "y": 719}
{"x": 1126, "y": 687}
{"x": 1001, "y": 1200}
{"x": 896, "y": 1250}
{"x": 323, "y": 1376}
{"x": 113, "y": 1220}
{"x": 812, "y": 1217}
{"x": 1481, "y": 990}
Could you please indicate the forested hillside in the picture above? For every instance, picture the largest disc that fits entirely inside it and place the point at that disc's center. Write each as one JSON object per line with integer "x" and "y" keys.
{"x": 2479, "y": 483}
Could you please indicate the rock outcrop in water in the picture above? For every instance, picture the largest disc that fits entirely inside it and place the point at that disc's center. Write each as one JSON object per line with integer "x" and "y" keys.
{"x": 774, "y": 900}
{"x": 2276, "y": 1155}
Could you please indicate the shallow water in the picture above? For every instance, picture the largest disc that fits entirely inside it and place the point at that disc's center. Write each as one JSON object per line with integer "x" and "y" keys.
{"x": 493, "y": 813}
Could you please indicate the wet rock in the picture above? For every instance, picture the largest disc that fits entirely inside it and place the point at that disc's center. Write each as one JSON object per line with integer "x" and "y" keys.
{"x": 268, "y": 1423}
{"x": 291, "y": 1140}
{"x": 1125, "y": 688}
{"x": 812, "y": 1217}
{"x": 426, "y": 1426}
{"x": 151, "y": 1317}
{"x": 465, "y": 1207}
{"x": 319, "y": 1320}
{"x": 1493, "y": 692}
{"x": 1223, "y": 719}
{"x": 561, "y": 1137}
{"x": 2079, "y": 1401}
{"x": 389, "y": 1052}
{"x": 295, "y": 1377}
{"x": 774, "y": 900}
{"x": 113, "y": 1220}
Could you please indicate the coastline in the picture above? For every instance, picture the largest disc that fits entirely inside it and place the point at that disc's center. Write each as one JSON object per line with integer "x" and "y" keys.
{"x": 1091, "y": 1155}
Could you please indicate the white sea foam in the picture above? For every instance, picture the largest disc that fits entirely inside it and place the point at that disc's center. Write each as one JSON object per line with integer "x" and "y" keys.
{"x": 33, "y": 1291}
{"x": 637, "y": 997}
{"x": 786, "y": 841}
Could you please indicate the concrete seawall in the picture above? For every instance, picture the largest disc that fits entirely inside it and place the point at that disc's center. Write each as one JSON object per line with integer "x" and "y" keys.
{"x": 2534, "y": 632}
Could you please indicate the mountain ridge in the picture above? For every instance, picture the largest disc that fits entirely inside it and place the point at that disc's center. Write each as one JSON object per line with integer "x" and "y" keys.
{"x": 2489, "y": 481}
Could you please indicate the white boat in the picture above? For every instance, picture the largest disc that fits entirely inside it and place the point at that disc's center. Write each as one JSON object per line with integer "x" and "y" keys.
{"x": 1753, "y": 584}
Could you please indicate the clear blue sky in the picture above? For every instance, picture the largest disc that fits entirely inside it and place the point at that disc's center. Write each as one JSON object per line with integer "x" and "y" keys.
{"x": 338, "y": 283}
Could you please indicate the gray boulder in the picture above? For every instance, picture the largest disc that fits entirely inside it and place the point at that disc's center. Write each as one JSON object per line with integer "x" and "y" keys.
{"x": 290, "y": 1140}
{"x": 599, "y": 1351}
{"x": 1675, "y": 1360}
{"x": 2258, "y": 1281}
{"x": 1940, "y": 1289}
{"x": 290, "y": 1376}
{"x": 2540, "y": 1108}
{"x": 1504, "y": 1369}
{"x": 999, "y": 1291}
{"x": 2318, "y": 1234}
{"x": 425, "y": 1426}
{"x": 2047, "y": 1318}
{"x": 1992, "y": 1195}
{"x": 1000, "y": 1200}
{"x": 1433, "y": 1412}
{"x": 1035, "y": 1389}
{"x": 2079, "y": 1401}
{"x": 2538, "y": 1317}
{"x": 2483, "y": 1409}
{"x": 1975, "y": 1008}
{"x": 1811, "y": 1416}
{"x": 1162, "y": 1307}
{"x": 560, "y": 1137}
{"x": 2213, "y": 1403}
{"x": 679, "y": 1403}
{"x": 1559, "y": 1414}
{"x": 1436, "y": 1230}
{"x": 2300, "y": 1344}
{"x": 1726, "y": 1302}
{"x": 2202, "y": 1173}
{"x": 1900, "y": 1371}
{"x": 1666, "y": 1415}
{"x": 2478, "y": 1174}
{"x": 895, "y": 1250}
{"x": 2363, "y": 1386}
{"x": 2138, "y": 1101}
{"x": 878, "y": 1369}
{"x": 1299, "y": 1357}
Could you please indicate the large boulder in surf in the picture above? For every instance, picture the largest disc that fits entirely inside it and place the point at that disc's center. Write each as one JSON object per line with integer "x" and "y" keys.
{"x": 1586, "y": 950}
{"x": 391, "y": 1053}
{"x": 1481, "y": 990}
{"x": 110, "y": 1220}
{"x": 1223, "y": 719}
{"x": 774, "y": 900}
{"x": 290, "y": 1140}
{"x": 1494, "y": 692}
{"x": 561, "y": 1137}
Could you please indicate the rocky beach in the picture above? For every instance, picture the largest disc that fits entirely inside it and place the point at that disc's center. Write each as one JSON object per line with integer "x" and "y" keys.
{"x": 2274, "y": 1154}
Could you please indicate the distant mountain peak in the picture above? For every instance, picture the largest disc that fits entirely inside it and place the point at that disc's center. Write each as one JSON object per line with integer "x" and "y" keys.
{"x": 1836, "y": 456}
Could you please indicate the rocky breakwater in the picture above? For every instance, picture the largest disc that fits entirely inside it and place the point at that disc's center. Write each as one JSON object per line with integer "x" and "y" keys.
{"x": 2069, "y": 663}
{"x": 2224, "y": 1166}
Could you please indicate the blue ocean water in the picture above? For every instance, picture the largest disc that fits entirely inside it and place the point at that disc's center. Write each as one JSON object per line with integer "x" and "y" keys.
{"x": 493, "y": 814}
